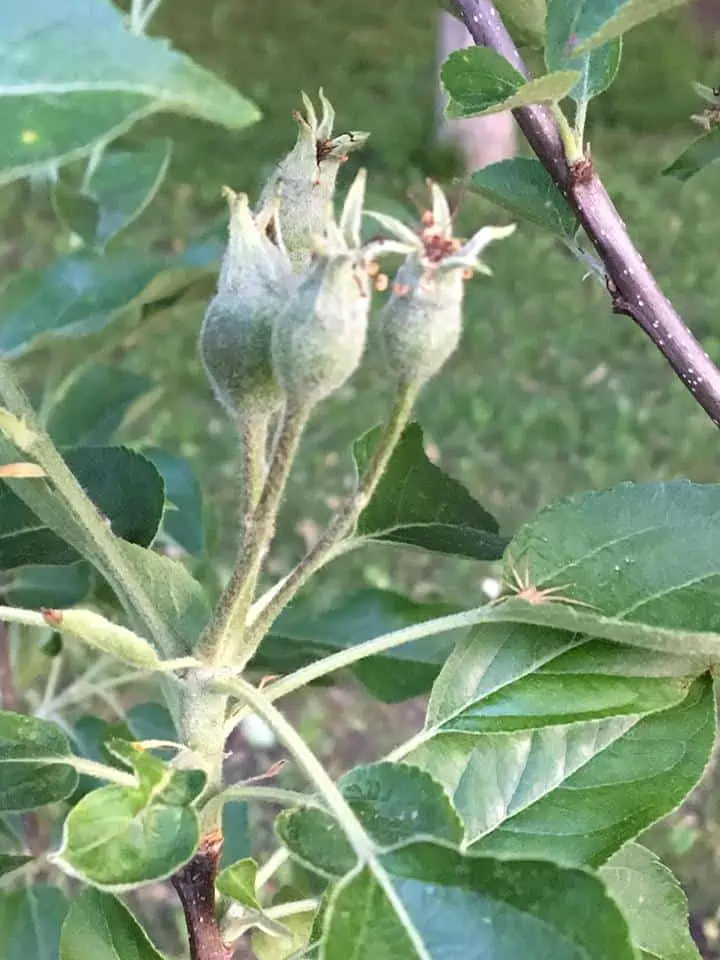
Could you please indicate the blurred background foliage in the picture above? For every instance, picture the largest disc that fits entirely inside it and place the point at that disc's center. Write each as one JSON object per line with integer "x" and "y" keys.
{"x": 550, "y": 393}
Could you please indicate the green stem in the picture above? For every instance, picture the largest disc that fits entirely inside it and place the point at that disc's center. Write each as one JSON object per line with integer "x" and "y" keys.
{"x": 360, "y": 651}
{"x": 248, "y": 792}
{"x": 253, "y": 431}
{"x": 94, "y": 769}
{"x": 342, "y": 523}
{"x": 573, "y": 149}
{"x": 91, "y": 534}
{"x": 268, "y": 870}
{"x": 227, "y": 623}
{"x": 306, "y": 760}
{"x": 580, "y": 118}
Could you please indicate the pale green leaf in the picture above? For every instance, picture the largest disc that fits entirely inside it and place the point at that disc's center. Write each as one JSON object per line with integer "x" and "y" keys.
{"x": 652, "y": 902}
{"x": 702, "y": 152}
{"x": 575, "y": 26}
{"x": 238, "y": 881}
{"x": 79, "y": 60}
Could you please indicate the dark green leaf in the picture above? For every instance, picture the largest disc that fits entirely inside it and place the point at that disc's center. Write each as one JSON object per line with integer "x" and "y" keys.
{"x": 125, "y": 487}
{"x": 80, "y": 61}
{"x": 392, "y": 801}
{"x": 574, "y": 26}
{"x": 236, "y": 833}
{"x": 10, "y": 862}
{"x": 652, "y": 902}
{"x": 481, "y": 81}
{"x": 300, "y": 637}
{"x": 416, "y": 503}
{"x": 183, "y": 520}
{"x": 48, "y": 586}
{"x": 526, "y": 189}
{"x": 574, "y": 792}
{"x": 31, "y": 769}
{"x": 94, "y": 406}
{"x": 151, "y": 721}
{"x": 117, "y": 191}
{"x": 83, "y": 292}
{"x": 30, "y": 923}
{"x": 100, "y": 927}
{"x": 161, "y": 597}
{"x": 90, "y": 736}
{"x": 117, "y": 838}
{"x": 703, "y": 152}
{"x": 427, "y": 902}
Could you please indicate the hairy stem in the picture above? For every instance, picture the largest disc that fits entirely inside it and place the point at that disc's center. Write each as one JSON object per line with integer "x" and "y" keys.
{"x": 632, "y": 287}
{"x": 253, "y": 432}
{"x": 195, "y": 887}
{"x": 306, "y": 760}
{"x": 217, "y": 645}
{"x": 342, "y": 523}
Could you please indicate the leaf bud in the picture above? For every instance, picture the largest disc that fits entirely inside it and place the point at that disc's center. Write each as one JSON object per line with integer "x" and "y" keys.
{"x": 305, "y": 179}
{"x": 422, "y": 321}
{"x": 254, "y": 280}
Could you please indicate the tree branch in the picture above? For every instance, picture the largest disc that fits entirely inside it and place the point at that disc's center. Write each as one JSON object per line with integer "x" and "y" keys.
{"x": 195, "y": 886}
{"x": 632, "y": 287}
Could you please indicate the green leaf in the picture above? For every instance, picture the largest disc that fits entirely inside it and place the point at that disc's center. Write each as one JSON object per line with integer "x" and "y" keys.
{"x": 652, "y": 902}
{"x": 432, "y": 903}
{"x": 525, "y": 20}
{"x": 151, "y": 721}
{"x": 119, "y": 188}
{"x": 183, "y": 520}
{"x": 84, "y": 292}
{"x": 503, "y": 679}
{"x": 163, "y": 600}
{"x": 302, "y": 636}
{"x": 32, "y": 772}
{"x": 99, "y": 926}
{"x": 575, "y": 26}
{"x": 236, "y": 833}
{"x": 707, "y": 94}
{"x": 267, "y": 946}
{"x": 573, "y": 792}
{"x": 238, "y": 880}
{"x": 598, "y": 68}
{"x": 417, "y": 504}
{"x": 125, "y": 487}
{"x": 703, "y": 152}
{"x": 392, "y": 801}
{"x": 95, "y": 405}
{"x": 9, "y": 862}
{"x": 79, "y": 60}
{"x": 624, "y": 552}
{"x": 481, "y": 81}
{"x": 117, "y": 838}
{"x": 39, "y": 586}
{"x": 30, "y": 923}
{"x": 524, "y": 188}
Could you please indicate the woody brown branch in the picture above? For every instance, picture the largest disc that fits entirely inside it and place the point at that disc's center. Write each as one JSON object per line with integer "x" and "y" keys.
{"x": 632, "y": 286}
{"x": 195, "y": 887}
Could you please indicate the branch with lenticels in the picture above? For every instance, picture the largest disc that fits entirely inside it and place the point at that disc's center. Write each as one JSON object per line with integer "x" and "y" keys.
{"x": 632, "y": 287}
